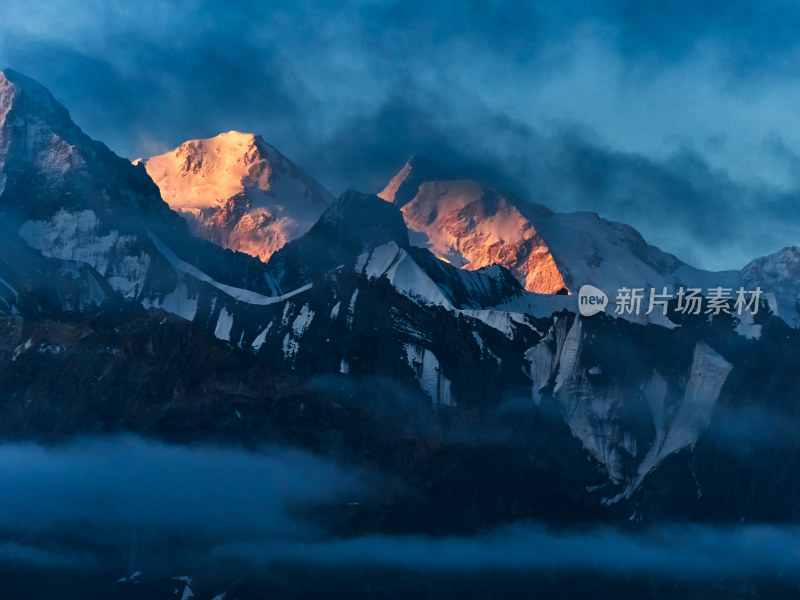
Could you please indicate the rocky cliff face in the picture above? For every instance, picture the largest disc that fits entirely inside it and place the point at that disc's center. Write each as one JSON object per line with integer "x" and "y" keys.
{"x": 631, "y": 424}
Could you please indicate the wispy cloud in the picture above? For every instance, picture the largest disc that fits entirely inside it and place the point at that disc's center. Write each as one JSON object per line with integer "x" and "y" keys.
{"x": 86, "y": 504}
{"x": 670, "y": 551}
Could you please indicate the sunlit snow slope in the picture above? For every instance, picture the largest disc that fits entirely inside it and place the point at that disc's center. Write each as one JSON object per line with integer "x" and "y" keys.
{"x": 238, "y": 191}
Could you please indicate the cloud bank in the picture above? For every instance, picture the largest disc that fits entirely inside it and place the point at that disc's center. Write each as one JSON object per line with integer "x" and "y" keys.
{"x": 125, "y": 504}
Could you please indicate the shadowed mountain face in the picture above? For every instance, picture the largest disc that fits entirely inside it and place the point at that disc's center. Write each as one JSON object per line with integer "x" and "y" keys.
{"x": 460, "y": 402}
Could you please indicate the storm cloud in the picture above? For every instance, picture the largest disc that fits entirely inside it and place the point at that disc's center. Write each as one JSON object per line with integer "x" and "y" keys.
{"x": 678, "y": 119}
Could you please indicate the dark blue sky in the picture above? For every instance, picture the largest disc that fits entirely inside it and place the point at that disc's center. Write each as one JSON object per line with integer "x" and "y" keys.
{"x": 680, "y": 119}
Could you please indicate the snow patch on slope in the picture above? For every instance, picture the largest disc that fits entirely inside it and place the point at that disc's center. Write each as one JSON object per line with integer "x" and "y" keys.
{"x": 335, "y": 310}
{"x": 242, "y": 295}
{"x": 224, "y": 324}
{"x": 403, "y": 273}
{"x": 503, "y": 321}
{"x": 429, "y": 374}
{"x": 394, "y": 263}
{"x": 302, "y": 321}
{"x": 178, "y": 302}
{"x": 261, "y": 337}
{"x": 682, "y": 429}
{"x": 76, "y": 236}
{"x": 290, "y": 346}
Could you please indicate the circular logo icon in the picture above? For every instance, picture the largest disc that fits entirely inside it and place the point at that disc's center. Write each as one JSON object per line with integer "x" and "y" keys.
{"x": 591, "y": 300}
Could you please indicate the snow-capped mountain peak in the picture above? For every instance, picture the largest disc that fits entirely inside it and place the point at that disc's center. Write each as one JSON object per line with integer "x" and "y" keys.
{"x": 238, "y": 191}
{"x": 473, "y": 225}
{"x": 17, "y": 88}
{"x": 403, "y": 186}
{"x": 778, "y": 274}
{"x": 76, "y": 213}
{"x": 35, "y": 128}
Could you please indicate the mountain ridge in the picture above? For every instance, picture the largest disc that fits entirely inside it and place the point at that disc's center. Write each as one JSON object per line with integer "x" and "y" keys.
{"x": 474, "y": 224}
{"x": 113, "y": 274}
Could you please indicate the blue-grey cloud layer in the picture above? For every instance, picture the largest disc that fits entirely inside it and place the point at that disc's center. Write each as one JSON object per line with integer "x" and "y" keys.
{"x": 128, "y": 504}
{"x": 681, "y": 119}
